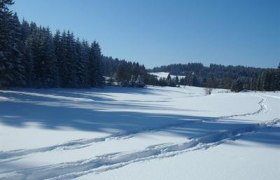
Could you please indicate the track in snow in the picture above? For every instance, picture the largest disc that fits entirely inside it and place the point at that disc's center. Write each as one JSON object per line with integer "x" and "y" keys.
{"x": 117, "y": 160}
{"x": 81, "y": 143}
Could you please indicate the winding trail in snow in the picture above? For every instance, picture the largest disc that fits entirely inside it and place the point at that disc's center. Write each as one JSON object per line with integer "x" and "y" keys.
{"x": 112, "y": 161}
{"x": 107, "y": 162}
{"x": 262, "y": 108}
{"x": 81, "y": 143}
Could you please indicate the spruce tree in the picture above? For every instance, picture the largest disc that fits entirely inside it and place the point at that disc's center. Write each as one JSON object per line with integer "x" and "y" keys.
{"x": 71, "y": 58}
{"x": 44, "y": 59}
{"x": 27, "y": 61}
{"x": 8, "y": 47}
{"x": 67, "y": 61}
{"x": 59, "y": 54}
{"x": 94, "y": 67}
{"x": 85, "y": 63}
{"x": 16, "y": 53}
{"x": 50, "y": 60}
{"x": 80, "y": 65}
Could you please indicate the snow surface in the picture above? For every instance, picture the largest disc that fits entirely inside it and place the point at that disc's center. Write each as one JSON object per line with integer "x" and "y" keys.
{"x": 131, "y": 133}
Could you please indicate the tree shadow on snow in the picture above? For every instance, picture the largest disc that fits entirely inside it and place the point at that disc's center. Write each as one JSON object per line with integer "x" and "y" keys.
{"x": 84, "y": 110}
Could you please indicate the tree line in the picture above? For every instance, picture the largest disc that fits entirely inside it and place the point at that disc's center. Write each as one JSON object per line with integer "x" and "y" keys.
{"x": 124, "y": 72}
{"x": 31, "y": 56}
{"x": 236, "y": 78}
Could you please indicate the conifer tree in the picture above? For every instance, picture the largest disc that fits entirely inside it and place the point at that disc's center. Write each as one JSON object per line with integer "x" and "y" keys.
{"x": 80, "y": 64}
{"x": 85, "y": 63}
{"x": 16, "y": 52}
{"x": 94, "y": 67}
{"x": 8, "y": 48}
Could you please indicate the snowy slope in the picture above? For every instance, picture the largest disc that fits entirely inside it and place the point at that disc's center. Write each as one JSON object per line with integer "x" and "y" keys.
{"x": 130, "y": 133}
{"x": 164, "y": 75}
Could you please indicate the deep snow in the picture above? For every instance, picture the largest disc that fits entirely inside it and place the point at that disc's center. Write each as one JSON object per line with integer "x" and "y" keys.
{"x": 130, "y": 133}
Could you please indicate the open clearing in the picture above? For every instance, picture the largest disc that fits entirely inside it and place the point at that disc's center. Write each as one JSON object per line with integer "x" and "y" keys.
{"x": 129, "y": 133}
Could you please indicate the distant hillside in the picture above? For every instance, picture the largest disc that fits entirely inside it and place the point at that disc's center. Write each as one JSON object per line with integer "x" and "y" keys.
{"x": 220, "y": 76}
{"x": 183, "y": 69}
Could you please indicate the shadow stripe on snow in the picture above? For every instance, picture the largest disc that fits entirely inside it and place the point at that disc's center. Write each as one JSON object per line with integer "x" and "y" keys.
{"x": 112, "y": 161}
{"x": 77, "y": 144}
{"x": 81, "y": 143}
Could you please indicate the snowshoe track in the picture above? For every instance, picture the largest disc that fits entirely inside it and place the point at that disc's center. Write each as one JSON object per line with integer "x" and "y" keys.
{"x": 81, "y": 143}
{"x": 116, "y": 160}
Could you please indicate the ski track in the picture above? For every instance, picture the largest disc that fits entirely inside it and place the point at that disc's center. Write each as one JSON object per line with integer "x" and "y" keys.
{"x": 262, "y": 108}
{"x": 81, "y": 143}
{"x": 112, "y": 161}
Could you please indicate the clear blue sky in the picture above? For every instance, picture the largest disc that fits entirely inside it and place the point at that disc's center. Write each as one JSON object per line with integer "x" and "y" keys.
{"x": 161, "y": 32}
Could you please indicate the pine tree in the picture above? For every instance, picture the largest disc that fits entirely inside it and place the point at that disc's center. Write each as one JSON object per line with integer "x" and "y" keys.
{"x": 85, "y": 62}
{"x": 266, "y": 81}
{"x": 44, "y": 59}
{"x": 139, "y": 81}
{"x": 80, "y": 60}
{"x": 9, "y": 53}
{"x": 5, "y": 18}
{"x": 122, "y": 75}
{"x": 25, "y": 30}
{"x": 71, "y": 58}
{"x": 176, "y": 80}
{"x": 95, "y": 69}
{"x": 27, "y": 61}
{"x": 66, "y": 60}
{"x": 59, "y": 54}
{"x": 237, "y": 86}
{"x": 50, "y": 60}
{"x": 17, "y": 50}
{"x": 168, "y": 79}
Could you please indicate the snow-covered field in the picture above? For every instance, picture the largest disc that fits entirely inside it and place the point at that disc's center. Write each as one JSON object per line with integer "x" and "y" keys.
{"x": 164, "y": 75}
{"x": 128, "y": 133}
